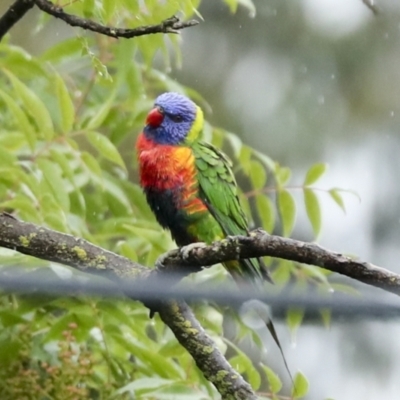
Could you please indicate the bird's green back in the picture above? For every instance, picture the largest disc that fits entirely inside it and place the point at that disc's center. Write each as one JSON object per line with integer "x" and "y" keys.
{"x": 218, "y": 190}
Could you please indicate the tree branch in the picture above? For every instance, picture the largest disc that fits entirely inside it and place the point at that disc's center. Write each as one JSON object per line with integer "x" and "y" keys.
{"x": 50, "y": 245}
{"x": 191, "y": 335}
{"x": 262, "y": 244}
{"x": 20, "y": 7}
{"x": 15, "y": 12}
{"x": 46, "y": 244}
{"x": 65, "y": 249}
{"x": 170, "y": 25}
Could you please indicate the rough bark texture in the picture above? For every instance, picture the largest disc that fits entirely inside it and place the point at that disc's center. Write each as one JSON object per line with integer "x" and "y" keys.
{"x": 208, "y": 358}
{"x": 261, "y": 244}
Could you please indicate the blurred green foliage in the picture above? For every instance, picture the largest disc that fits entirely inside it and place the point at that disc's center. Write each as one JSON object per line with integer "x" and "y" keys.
{"x": 68, "y": 121}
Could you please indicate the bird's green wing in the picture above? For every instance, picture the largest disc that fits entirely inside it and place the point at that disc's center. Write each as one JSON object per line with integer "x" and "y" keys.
{"x": 218, "y": 190}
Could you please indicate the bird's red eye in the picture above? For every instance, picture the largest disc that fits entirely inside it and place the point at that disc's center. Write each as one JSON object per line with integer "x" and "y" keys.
{"x": 155, "y": 117}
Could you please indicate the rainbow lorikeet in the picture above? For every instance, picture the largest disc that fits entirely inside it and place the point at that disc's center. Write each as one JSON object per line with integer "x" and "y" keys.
{"x": 189, "y": 184}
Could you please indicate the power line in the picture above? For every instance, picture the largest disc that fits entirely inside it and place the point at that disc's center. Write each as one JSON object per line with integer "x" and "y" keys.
{"x": 45, "y": 282}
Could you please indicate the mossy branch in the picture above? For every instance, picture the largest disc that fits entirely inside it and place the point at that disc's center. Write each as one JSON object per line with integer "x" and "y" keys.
{"x": 47, "y": 244}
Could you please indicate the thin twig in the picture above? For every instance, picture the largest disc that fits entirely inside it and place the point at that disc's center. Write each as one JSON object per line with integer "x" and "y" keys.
{"x": 170, "y": 25}
{"x": 20, "y": 7}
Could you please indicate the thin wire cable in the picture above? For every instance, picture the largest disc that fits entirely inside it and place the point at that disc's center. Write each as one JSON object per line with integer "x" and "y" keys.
{"x": 45, "y": 282}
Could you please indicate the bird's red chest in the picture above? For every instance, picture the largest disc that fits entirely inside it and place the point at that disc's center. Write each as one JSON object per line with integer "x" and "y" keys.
{"x": 164, "y": 167}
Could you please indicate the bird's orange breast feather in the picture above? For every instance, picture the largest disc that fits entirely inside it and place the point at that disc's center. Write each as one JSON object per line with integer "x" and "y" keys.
{"x": 165, "y": 167}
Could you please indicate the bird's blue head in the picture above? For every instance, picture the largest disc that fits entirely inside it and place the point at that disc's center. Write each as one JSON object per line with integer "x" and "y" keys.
{"x": 174, "y": 120}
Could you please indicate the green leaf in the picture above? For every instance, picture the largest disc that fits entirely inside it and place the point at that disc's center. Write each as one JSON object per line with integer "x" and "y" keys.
{"x": 235, "y": 142}
{"x": 282, "y": 174}
{"x": 105, "y": 147}
{"x": 113, "y": 312}
{"x": 337, "y": 197}
{"x": 294, "y": 316}
{"x": 287, "y": 209}
{"x": 316, "y": 273}
{"x": 122, "y": 202}
{"x": 314, "y": 173}
{"x": 242, "y": 363}
{"x": 149, "y": 47}
{"x": 144, "y": 385}
{"x": 10, "y": 348}
{"x": 7, "y": 159}
{"x": 267, "y": 161}
{"x": 20, "y": 62}
{"x": 64, "y": 163}
{"x": 101, "y": 114}
{"x": 64, "y": 49}
{"x": 313, "y": 210}
{"x": 9, "y": 318}
{"x": 26, "y": 208}
{"x": 326, "y": 316}
{"x": 282, "y": 273}
{"x": 78, "y": 206}
{"x": 52, "y": 212}
{"x": 246, "y": 162}
{"x": 65, "y": 104}
{"x": 300, "y": 387}
{"x": 258, "y": 174}
{"x": 164, "y": 367}
{"x": 127, "y": 251}
{"x": 266, "y": 211}
{"x": 53, "y": 176}
{"x": 232, "y": 4}
{"x": 92, "y": 165}
{"x": 12, "y": 141}
{"x": 155, "y": 237}
{"x": 178, "y": 391}
{"x": 21, "y": 119}
{"x": 34, "y": 106}
{"x": 275, "y": 384}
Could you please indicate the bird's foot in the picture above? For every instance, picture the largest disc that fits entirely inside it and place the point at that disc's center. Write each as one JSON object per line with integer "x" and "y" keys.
{"x": 160, "y": 262}
{"x": 185, "y": 250}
